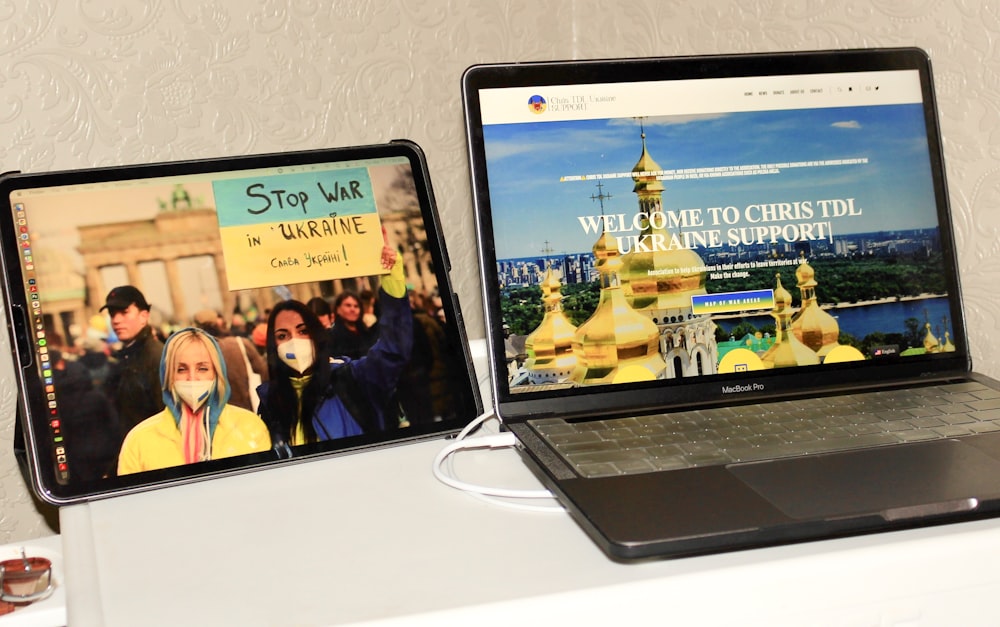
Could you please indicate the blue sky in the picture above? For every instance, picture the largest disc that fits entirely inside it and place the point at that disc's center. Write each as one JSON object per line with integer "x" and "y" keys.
{"x": 893, "y": 190}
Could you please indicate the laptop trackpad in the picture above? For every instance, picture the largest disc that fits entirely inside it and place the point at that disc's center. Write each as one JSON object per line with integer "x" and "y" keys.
{"x": 915, "y": 479}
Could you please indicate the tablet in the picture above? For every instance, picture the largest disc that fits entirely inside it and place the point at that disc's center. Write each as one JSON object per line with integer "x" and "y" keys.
{"x": 180, "y": 321}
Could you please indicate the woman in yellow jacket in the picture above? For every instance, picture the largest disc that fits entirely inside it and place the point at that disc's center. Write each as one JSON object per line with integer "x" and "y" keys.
{"x": 196, "y": 424}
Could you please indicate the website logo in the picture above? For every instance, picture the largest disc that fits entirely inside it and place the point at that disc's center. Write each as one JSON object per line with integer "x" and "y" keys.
{"x": 536, "y": 104}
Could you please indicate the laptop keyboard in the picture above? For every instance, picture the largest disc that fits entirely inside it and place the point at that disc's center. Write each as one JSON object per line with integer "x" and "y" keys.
{"x": 746, "y": 433}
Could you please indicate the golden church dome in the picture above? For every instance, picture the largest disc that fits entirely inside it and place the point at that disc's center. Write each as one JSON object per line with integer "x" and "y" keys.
{"x": 931, "y": 344}
{"x": 805, "y": 274}
{"x": 659, "y": 274}
{"x": 645, "y": 181}
{"x": 948, "y": 346}
{"x": 615, "y": 337}
{"x": 787, "y": 349}
{"x": 782, "y": 297}
{"x": 550, "y": 346}
{"x": 812, "y": 326}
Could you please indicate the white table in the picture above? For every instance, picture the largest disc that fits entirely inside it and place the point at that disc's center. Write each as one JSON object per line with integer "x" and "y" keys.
{"x": 374, "y": 537}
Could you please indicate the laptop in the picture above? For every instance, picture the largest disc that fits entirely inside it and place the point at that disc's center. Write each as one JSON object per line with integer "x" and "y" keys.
{"x": 722, "y": 300}
{"x": 116, "y": 276}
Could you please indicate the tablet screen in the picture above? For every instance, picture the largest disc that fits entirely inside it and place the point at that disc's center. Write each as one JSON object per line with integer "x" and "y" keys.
{"x": 177, "y": 321}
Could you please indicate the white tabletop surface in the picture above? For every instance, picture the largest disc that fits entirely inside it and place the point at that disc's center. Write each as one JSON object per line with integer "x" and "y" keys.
{"x": 374, "y": 537}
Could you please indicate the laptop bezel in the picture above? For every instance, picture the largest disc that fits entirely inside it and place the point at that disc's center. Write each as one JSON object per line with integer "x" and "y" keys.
{"x": 608, "y": 400}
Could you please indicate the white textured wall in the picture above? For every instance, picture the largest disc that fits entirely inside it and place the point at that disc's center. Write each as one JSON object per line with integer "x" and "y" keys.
{"x": 98, "y": 82}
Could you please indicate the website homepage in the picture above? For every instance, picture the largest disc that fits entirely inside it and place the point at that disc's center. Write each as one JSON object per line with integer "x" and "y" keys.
{"x": 665, "y": 230}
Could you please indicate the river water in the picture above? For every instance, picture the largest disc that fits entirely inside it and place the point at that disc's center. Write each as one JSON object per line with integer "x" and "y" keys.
{"x": 862, "y": 320}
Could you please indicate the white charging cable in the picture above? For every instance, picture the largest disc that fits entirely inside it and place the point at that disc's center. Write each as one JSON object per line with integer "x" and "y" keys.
{"x": 491, "y": 494}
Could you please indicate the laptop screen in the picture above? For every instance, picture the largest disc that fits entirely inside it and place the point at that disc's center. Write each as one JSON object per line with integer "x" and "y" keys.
{"x": 727, "y": 221}
{"x": 115, "y": 267}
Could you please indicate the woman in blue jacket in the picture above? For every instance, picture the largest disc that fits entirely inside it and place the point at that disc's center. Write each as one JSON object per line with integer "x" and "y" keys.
{"x": 313, "y": 395}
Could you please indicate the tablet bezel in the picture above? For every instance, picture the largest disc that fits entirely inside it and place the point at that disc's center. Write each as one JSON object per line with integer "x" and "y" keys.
{"x": 31, "y": 405}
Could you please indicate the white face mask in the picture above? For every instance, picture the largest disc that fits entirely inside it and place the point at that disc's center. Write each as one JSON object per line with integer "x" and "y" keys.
{"x": 297, "y": 354}
{"x": 194, "y": 393}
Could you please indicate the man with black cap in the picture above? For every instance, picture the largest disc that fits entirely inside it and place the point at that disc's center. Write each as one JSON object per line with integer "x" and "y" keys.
{"x": 134, "y": 381}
